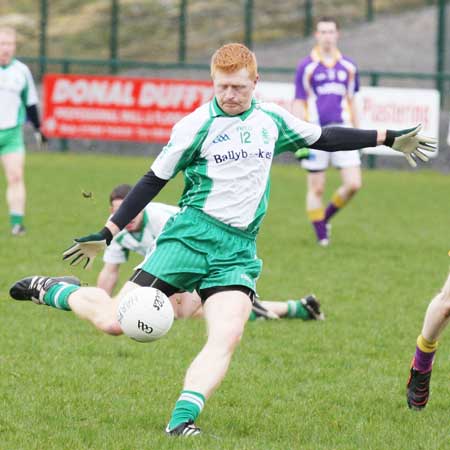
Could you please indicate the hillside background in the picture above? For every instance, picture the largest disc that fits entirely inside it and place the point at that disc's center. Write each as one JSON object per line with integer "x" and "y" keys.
{"x": 148, "y": 29}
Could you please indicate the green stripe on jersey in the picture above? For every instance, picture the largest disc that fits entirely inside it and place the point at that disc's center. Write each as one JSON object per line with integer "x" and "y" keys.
{"x": 288, "y": 139}
{"x": 197, "y": 183}
{"x": 260, "y": 211}
{"x": 22, "y": 115}
{"x": 196, "y": 176}
{"x": 194, "y": 149}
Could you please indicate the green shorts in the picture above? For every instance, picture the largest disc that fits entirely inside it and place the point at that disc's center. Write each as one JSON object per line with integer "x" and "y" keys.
{"x": 196, "y": 251}
{"x": 11, "y": 141}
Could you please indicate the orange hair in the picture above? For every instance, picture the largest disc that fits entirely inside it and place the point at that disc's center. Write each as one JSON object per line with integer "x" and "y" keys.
{"x": 232, "y": 57}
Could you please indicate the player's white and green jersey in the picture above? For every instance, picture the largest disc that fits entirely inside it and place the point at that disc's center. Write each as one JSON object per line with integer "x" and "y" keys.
{"x": 227, "y": 159}
{"x": 17, "y": 91}
{"x": 155, "y": 217}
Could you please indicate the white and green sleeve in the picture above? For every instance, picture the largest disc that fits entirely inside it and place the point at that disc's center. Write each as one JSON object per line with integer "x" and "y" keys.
{"x": 293, "y": 132}
{"x": 17, "y": 91}
{"x": 184, "y": 145}
{"x": 30, "y": 95}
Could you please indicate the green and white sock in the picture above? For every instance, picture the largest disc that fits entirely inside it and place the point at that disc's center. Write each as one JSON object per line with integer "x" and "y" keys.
{"x": 296, "y": 310}
{"x": 58, "y": 295}
{"x": 188, "y": 407}
{"x": 15, "y": 219}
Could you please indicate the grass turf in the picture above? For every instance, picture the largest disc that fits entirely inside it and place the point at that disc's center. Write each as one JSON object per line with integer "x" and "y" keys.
{"x": 338, "y": 384}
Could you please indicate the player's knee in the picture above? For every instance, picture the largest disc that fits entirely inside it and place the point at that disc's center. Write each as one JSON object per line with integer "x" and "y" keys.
{"x": 14, "y": 177}
{"x": 236, "y": 334}
{"x": 108, "y": 325}
{"x": 444, "y": 299}
{"x": 230, "y": 336}
{"x": 354, "y": 186}
{"x": 441, "y": 304}
{"x": 317, "y": 190}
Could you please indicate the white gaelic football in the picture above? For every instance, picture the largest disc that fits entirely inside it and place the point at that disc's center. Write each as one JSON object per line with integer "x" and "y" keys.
{"x": 145, "y": 314}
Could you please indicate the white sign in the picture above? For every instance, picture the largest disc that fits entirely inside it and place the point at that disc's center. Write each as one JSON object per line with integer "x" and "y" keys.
{"x": 379, "y": 107}
{"x": 397, "y": 109}
{"x": 280, "y": 93}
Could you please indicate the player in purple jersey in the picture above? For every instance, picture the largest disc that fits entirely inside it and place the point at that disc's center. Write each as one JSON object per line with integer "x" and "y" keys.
{"x": 325, "y": 86}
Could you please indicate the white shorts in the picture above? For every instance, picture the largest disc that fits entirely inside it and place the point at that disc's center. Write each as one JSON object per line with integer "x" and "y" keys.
{"x": 320, "y": 160}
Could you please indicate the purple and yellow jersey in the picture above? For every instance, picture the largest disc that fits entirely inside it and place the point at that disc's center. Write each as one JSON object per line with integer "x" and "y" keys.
{"x": 327, "y": 89}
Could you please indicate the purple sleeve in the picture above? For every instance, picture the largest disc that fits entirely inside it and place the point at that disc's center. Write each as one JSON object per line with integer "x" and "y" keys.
{"x": 356, "y": 75}
{"x": 300, "y": 92}
{"x": 356, "y": 81}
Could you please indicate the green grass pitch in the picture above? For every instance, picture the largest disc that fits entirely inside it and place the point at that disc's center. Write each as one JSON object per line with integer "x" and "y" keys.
{"x": 339, "y": 384}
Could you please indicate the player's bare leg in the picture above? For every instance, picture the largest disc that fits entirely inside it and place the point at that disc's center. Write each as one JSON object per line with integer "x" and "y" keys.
{"x": 88, "y": 303}
{"x": 314, "y": 205}
{"x": 226, "y": 314}
{"x": 96, "y": 306}
{"x": 187, "y": 305}
{"x": 307, "y": 308}
{"x": 436, "y": 319}
{"x": 351, "y": 184}
{"x": 13, "y": 165}
{"x": 438, "y": 314}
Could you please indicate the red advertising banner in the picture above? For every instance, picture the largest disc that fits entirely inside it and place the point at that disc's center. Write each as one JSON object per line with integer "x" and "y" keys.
{"x": 118, "y": 108}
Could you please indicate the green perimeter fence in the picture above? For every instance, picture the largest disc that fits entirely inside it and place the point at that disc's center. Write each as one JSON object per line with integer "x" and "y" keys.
{"x": 182, "y": 29}
{"x": 241, "y": 17}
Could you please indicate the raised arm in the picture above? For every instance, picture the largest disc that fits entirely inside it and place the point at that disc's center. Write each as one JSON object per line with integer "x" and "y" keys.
{"x": 146, "y": 189}
{"x": 108, "y": 277}
{"x": 87, "y": 247}
{"x": 409, "y": 142}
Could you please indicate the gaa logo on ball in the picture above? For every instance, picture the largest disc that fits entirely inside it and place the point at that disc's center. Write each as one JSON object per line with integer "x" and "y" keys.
{"x": 145, "y": 314}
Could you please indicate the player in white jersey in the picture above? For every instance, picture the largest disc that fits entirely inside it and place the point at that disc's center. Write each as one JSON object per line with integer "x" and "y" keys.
{"x": 225, "y": 149}
{"x": 18, "y": 99}
{"x": 140, "y": 236}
